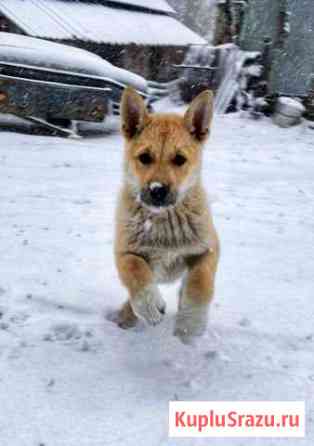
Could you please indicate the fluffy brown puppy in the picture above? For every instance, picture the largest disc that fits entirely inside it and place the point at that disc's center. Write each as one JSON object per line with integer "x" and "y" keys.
{"x": 164, "y": 225}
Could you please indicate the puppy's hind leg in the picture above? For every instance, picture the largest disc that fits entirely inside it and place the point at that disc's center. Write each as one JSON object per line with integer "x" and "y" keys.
{"x": 145, "y": 301}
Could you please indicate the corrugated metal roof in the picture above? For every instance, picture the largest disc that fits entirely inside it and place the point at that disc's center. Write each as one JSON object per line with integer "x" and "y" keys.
{"x": 155, "y": 5}
{"x": 57, "y": 19}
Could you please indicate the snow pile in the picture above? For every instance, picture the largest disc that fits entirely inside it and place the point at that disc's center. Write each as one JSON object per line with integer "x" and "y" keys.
{"x": 70, "y": 377}
{"x": 41, "y": 53}
{"x": 292, "y": 105}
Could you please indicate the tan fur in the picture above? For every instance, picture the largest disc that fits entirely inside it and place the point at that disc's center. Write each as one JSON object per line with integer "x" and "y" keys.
{"x": 179, "y": 241}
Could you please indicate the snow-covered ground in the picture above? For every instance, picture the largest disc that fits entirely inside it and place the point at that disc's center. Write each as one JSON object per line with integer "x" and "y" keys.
{"x": 70, "y": 377}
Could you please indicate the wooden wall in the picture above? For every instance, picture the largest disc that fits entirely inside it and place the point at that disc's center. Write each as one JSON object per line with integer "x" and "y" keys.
{"x": 153, "y": 63}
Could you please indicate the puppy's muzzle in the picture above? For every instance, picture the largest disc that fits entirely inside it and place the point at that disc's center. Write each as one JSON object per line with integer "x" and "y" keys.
{"x": 158, "y": 196}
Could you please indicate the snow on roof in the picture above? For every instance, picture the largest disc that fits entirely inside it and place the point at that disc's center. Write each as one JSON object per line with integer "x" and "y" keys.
{"x": 57, "y": 19}
{"x": 155, "y": 5}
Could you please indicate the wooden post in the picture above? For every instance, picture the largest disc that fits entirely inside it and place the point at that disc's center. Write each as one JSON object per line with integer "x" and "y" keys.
{"x": 239, "y": 8}
{"x": 267, "y": 60}
{"x": 224, "y": 23}
{"x": 310, "y": 100}
{"x": 282, "y": 24}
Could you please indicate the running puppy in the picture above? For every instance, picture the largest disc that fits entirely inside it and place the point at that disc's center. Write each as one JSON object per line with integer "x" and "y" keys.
{"x": 164, "y": 225}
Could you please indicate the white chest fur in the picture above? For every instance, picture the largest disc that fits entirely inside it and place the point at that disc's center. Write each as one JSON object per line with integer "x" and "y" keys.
{"x": 165, "y": 240}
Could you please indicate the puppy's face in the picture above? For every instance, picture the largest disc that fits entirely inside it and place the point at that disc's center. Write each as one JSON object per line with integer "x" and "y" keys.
{"x": 163, "y": 151}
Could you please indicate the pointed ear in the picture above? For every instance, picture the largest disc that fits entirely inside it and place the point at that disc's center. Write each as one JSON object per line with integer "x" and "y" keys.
{"x": 199, "y": 115}
{"x": 133, "y": 113}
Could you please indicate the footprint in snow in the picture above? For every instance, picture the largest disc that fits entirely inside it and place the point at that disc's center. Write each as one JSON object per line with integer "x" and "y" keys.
{"x": 67, "y": 332}
{"x": 64, "y": 332}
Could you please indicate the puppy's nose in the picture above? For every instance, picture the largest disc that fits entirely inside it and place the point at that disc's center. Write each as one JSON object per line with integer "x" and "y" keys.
{"x": 159, "y": 194}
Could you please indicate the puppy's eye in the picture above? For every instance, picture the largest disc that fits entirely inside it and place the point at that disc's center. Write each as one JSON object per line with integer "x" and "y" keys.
{"x": 179, "y": 160}
{"x": 146, "y": 159}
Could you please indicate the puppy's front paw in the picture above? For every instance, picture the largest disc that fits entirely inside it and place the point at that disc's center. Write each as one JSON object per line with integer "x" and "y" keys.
{"x": 191, "y": 322}
{"x": 124, "y": 318}
{"x": 149, "y": 306}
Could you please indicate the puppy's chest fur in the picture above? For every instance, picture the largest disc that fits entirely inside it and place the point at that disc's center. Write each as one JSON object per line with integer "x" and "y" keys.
{"x": 167, "y": 239}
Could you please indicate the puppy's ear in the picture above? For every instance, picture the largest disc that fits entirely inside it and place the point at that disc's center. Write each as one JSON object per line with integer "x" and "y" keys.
{"x": 199, "y": 115}
{"x": 133, "y": 113}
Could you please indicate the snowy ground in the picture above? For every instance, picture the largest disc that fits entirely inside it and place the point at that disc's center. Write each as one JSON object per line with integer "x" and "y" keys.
{"x": 68, "y": 376}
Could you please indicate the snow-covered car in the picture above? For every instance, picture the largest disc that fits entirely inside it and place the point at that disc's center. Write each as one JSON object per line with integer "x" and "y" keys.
{"x": 53, "y": 84}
